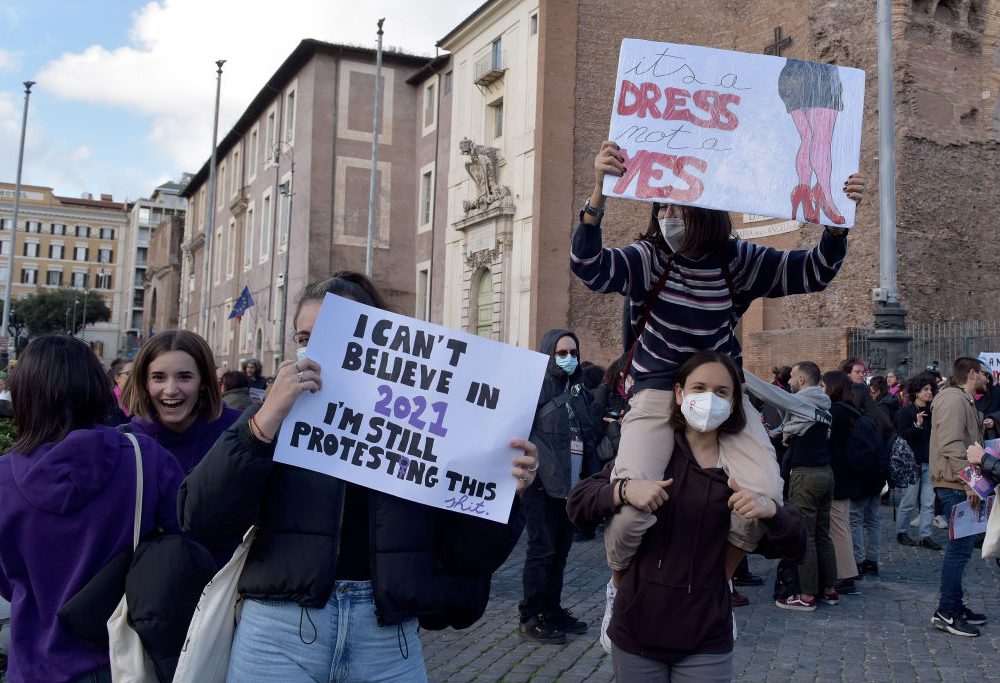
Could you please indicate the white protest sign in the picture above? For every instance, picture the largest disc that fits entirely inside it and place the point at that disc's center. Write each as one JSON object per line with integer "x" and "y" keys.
{"x": 738, "y": 132}
{"x": 992, "y": 363}
{"x": 413, "y": 409}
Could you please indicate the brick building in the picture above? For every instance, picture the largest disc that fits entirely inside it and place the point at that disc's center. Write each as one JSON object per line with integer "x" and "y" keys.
{"x": 315, "y": 112}
{"x": 947, "y": 64}
{"x": 67, "y": 242}
{"x": 161, "y": 283}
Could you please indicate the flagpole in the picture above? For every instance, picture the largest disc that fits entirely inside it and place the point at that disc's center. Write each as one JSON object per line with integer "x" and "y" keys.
{"x": 206, "y": 290}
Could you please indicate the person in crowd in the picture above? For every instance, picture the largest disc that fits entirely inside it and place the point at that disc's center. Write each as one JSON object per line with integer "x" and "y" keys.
{"x": 782, "y": 376}
{"x": 68, "y": 487}
{"x": 6, "y": 410}
{"x": 884, "y": 399}
{"x": 895, "y": 388}
{"x": 914, "y": 424}
{"x": 840, "y": 389}
{"x": 869, "y": 478}
{"x": 805, "y": 427}
{"x": 673, "y": 619}
{"x": 328, "y": 595}
{"x": 956, "y": 425}
{"x": 252, "y": 368}
{"x": 698, "y": 281}
{"x": 236, "y": 391}
{"x": 856, "y": 369}
{"x": 592, "y": 374}
{"x": 121, "y": 369}
{"x": 219, "y": 372}
{"x": 567, "y": 429}
{"x": 173, "y": 398}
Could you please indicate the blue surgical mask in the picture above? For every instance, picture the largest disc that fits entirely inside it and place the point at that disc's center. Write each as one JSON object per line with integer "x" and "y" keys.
{"x": 567, "y": 363}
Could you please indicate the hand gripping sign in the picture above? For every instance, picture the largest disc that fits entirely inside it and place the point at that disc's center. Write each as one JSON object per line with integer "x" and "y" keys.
{"x": 413, "y": 409}
{"x": 738, "y": 132}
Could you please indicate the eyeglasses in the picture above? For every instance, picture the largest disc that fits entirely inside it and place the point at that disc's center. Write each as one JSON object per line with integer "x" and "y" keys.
{"x": 563, "y": 354}
{"x": 301, "y": 338}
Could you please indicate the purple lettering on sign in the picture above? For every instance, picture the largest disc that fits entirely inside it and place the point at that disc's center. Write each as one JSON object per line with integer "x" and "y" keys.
{"x": 411, "y": 410}
{"x": 465, "y": 505}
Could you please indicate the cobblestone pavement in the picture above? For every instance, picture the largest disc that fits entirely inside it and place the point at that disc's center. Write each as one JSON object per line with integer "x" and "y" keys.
{"x": 881, "y": 634}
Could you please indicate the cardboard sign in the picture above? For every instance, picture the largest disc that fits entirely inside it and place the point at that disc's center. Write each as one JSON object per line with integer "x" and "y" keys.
{"x": 413, "y": 409}
{"x": 726, "y": 130}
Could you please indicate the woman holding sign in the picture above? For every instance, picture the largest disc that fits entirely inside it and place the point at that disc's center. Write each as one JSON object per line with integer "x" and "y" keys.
{"x": 673, "y": 619}
{"x": 687, "y": 282}
{"x": 339, "y": 576}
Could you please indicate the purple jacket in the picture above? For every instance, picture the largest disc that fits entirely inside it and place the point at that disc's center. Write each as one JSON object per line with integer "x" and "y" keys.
{"x": 65, "y": 510}
{"x": 191, "y": 445}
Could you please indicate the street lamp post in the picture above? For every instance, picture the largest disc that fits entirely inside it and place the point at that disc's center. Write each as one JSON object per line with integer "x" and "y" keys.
{"x": 206, "y": 295}
{"x": 72, "y": 330}
{"x": 83, "y": 325}
{"x": 890, "y": 341}
{"x": 8, "y": 352}
{"x": 369, "y": 253}
{"x": 286, "y": 189}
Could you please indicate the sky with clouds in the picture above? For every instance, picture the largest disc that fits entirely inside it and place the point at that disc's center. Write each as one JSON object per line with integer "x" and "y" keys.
{"x": 125, "y": 89}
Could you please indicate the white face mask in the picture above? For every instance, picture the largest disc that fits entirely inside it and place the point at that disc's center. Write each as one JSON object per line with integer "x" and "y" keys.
{"x": 705, "y": 412}
{"x": 672, "y": 230}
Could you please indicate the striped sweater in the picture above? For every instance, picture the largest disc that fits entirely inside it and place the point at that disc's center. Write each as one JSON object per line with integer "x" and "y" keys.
{"x": 695, "y": 310}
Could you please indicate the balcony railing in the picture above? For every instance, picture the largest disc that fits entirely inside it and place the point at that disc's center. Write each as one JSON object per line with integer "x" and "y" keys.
{"x": 489, "y": 69}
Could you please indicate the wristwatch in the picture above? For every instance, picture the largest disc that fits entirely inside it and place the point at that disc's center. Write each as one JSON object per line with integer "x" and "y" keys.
{"x": 597, "y": 213}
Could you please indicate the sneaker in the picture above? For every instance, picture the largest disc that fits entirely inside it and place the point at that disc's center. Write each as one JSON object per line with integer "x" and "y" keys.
{"x": 904, "y": 539}
{"x": 940, "y": 522}
{"x": 930, "y": 543}
{"x": 974, "y": 618}
{"x": 830, "y": 598}
{"x": 869, "y": 567}
{"x": 861, "y": 572}
{"x": 564, "y": 621}
{"x": 739, "y": 600}
{"x": 748, "y": 579}
{"x": 540, "y": 631}
{"x": 957, "y": 626}
{"x": 915, "y": 523}
{"x": 798, "y": 603}
{"x": 846, "y": 587}
{"x": 606, "y": 619}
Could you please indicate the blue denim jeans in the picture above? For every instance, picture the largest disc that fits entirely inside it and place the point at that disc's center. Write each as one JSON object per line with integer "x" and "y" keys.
{"x": 866, "y": 528}
{"x": 920, "y": 493}
{"x": 283, "y": 641}
{"x": 956, "y": 556}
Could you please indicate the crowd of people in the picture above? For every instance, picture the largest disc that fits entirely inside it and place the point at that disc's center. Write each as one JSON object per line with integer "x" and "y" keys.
{"x": 688, "y": 460}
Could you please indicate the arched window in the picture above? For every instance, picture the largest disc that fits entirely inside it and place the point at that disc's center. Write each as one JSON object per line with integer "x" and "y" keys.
{"x": 484, "y": 305}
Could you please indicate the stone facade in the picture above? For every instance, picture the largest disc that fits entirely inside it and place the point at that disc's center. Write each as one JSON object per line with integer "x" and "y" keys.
{"x": 68, "y": 242}
{"x": 314, "y": 113}
{"x": 162, "y": 281}
{"x": 947, "y": 65}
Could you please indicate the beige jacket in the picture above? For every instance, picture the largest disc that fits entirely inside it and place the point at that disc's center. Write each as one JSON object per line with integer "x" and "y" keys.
{"x": 955, "y": 426}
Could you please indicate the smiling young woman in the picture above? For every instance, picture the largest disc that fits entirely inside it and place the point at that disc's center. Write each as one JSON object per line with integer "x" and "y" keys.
{"x": 173, "y": 396}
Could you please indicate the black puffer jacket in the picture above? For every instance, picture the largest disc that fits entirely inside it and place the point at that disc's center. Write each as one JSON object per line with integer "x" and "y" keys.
{"x": 551, "y": 429}
{"x": 425, "y": 562}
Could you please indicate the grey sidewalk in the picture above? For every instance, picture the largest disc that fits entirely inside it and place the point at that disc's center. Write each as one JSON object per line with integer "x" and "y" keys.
{"x": 881, "y": 634}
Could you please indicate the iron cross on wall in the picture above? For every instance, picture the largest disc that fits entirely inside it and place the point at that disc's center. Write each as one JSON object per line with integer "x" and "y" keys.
{"x": 779, "y": 44}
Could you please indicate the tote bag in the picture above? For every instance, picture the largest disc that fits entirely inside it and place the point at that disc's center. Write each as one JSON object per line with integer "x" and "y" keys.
{"x": 129, "y": 663}
{"x": 205, "y": 655}
{"x": 991, "y": 544}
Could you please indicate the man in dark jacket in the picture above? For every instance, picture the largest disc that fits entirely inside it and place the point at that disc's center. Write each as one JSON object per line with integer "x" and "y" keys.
{"x": 566, "y": 430}
{"x": 913, "y": 422}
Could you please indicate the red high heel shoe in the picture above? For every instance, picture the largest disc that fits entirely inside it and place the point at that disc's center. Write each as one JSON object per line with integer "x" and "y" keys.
{"x": 802, "y": 196}
{"x": 820, "y": 203}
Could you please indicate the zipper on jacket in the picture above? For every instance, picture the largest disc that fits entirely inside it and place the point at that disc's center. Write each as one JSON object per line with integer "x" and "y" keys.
{"x": 371, "y": 554}
{"x": 340, "y": 529}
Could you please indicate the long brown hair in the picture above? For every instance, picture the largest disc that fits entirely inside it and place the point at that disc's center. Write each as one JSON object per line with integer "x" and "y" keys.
{"x": 58, "y": 385}
{"x": 135, "y": 395}
{"x": 706, "y": 231}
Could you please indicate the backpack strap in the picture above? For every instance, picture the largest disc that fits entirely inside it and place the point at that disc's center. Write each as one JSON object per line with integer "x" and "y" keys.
{"x": 647, "y": 309}
{"x": 556, "y": 403}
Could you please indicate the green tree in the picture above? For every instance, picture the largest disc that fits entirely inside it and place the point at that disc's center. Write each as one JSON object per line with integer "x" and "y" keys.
{"x": 52, "y": 310}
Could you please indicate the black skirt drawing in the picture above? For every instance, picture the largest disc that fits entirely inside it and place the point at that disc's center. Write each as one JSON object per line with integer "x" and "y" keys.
{"x": 810, "y": 85}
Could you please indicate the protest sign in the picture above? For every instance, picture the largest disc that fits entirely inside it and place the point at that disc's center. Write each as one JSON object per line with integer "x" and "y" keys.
{"x": 413, "y": 409}
{"x": 726, "y": 130}
{"x": 992, "y": 363}
{"x": 968, "y": 521}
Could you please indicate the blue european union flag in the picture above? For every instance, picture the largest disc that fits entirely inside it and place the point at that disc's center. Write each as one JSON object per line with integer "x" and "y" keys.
{"x": 242, "y": 304}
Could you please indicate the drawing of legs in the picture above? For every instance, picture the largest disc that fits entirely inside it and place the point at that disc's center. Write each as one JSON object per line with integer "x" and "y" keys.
{"x": 811, "y": 93}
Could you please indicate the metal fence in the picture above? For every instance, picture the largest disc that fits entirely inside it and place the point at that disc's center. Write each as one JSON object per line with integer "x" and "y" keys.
{"x": 932, "y": 343}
